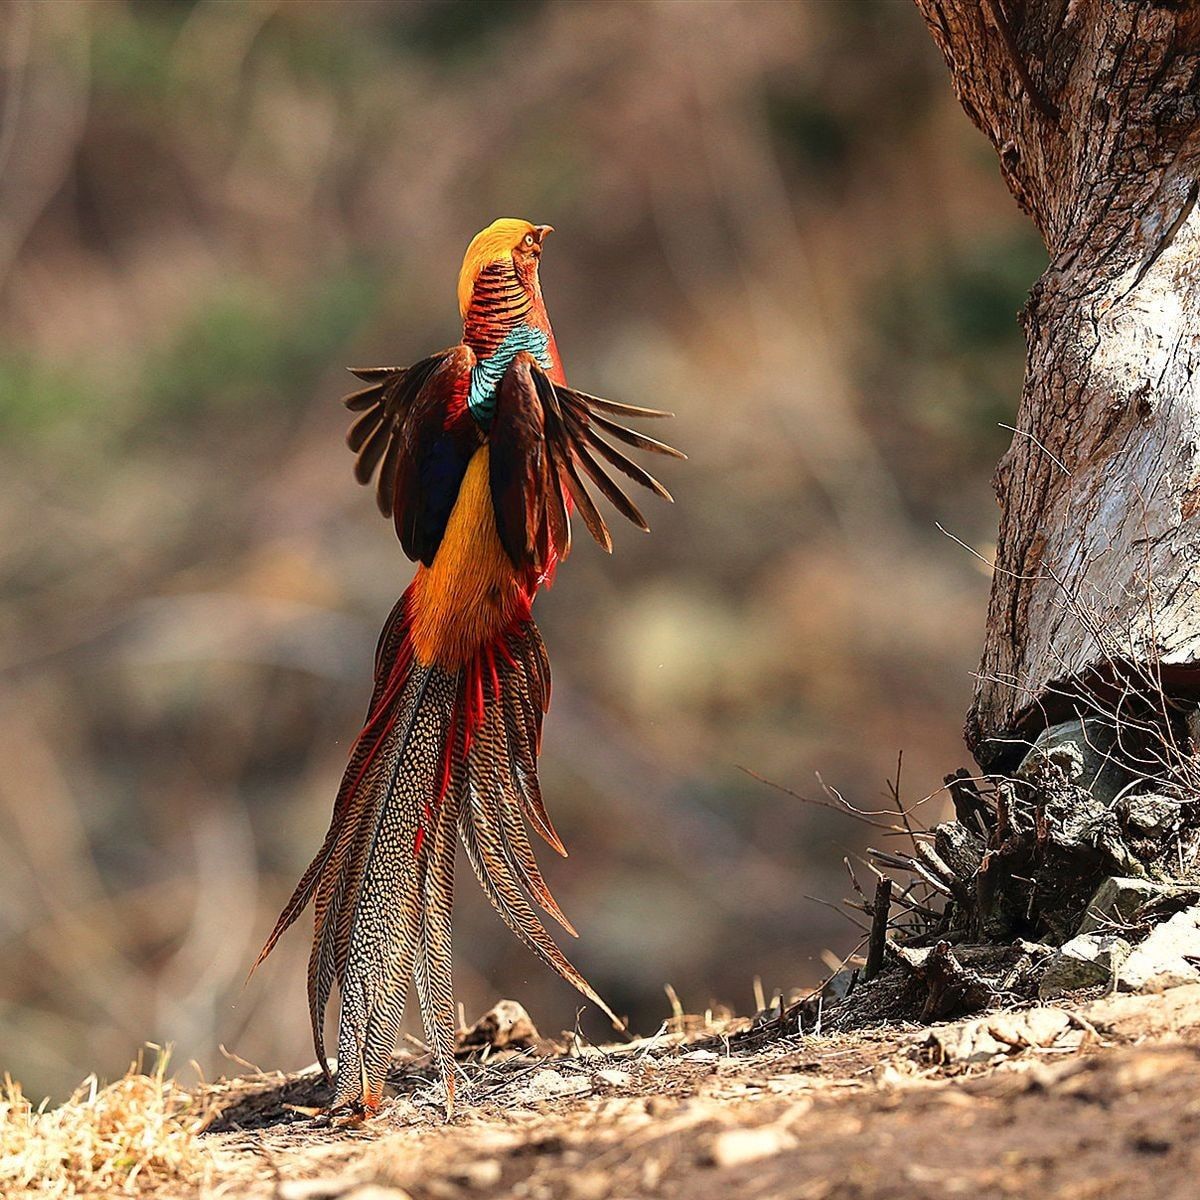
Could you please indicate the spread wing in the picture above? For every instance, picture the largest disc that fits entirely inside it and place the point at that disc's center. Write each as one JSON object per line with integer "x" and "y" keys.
{"x": 545, "y": 439}
{"x": 408, "y": 431}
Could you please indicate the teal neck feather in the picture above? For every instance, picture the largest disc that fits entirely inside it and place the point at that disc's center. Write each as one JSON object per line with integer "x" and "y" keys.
{"x": 487, "y": 373}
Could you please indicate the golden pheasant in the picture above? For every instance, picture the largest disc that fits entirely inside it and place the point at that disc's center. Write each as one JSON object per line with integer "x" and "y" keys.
{"x": 480, "y": 452}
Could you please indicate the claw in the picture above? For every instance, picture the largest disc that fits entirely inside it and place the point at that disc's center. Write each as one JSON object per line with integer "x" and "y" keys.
{"x": 353, "y": 1112}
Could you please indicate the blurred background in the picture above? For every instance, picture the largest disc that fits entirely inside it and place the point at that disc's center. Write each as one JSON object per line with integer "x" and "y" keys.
{"x": 773, "y": 219}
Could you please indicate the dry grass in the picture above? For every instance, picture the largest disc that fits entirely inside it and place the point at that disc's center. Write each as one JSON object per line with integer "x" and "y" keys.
{"x": 134, "y": 1136}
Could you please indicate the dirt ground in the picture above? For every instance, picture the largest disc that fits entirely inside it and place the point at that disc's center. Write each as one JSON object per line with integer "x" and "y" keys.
{"x": 1102, "y": 1100}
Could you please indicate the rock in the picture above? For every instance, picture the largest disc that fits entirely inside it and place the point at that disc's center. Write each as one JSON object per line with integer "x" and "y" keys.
{"x": 736, "y": 1147}
{"x": 325, "y": 1188}
{"x": 914, "y": 958}
{"x": 1001, "y": 1035}
{"x": 478, "y": 1176}
{"x": 888, "y": 1075}
{"x": 507, "y": 1026}
{"x": 1035, "y": 1028}
{"x": 590, "y": 1185}
{"x": 1085, "y": 961}
{"x": 1166, "y": 958}
{"x": 965, "y": 1044}
{"x": 1060, "y": 745}
{"x": 1081, "y": 750}
{"x": 1148, "y": 815}
{"x": 548, "y": 1084}
{"x": 1118, "y": 898}
{"x": 616, "y": 1079}
{"x": 1075, "y": 776}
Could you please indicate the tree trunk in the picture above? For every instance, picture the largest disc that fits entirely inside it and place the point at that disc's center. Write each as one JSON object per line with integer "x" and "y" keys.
{"x": 1093, "y": 107}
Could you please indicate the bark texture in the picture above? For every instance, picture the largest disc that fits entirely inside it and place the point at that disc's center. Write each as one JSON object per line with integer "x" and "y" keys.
{"x": 1093, "y": 107}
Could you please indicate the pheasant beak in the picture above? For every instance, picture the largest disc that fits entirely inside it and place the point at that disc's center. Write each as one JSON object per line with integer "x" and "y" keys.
{"x": 540, "y": 231}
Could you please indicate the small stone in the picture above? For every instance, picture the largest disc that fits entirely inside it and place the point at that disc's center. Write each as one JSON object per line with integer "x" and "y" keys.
{"x": 701, "y": 1056}
{"x": 589, "y": 1185}
{"x": 1083, "y": 751}
{"x": 652, "y": 1172}
{"x": 616, "y": 1079}
{"x": 1150, "y": 815}
{"x": 1032, "y": 1028}
{"x": 887, "y": 1075}
{"x": 325, "y": 1188}
{"x": 506, "y": 1026}
{"x": 964, "y": 1045}
{"x": 987, "y": 1039}
{"x": 914, "y": 959}
{"x": 1119, "y": 897}
{"x": 478, "y": 1176}
{"x": 736, "y": 1147}
{"x": 376, "y": 1191}
{"x": 1084, "y": 961}
{"x": 548, "y": 1084}
{"x": 1045, "y": 1026}
{"x": 1166, "y": 958}
{"x": 1007, "y": 1028}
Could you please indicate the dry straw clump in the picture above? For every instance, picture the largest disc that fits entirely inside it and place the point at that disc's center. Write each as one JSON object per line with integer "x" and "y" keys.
{"x": 130, "y": 1137}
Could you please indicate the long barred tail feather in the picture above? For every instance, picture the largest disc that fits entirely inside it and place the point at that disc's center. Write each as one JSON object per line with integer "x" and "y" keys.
{"x": 444, "y": 755}
{"x": 378, "y": 923}
{"x": 435, "y": 989}
{"x": 388, "y": 650}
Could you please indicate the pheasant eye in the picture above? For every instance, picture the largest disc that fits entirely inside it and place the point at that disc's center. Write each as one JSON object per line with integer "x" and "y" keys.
{"x": 529, "y": 239}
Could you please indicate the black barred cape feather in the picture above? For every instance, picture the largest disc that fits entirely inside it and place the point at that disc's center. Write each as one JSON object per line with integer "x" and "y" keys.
{"x": 401, "y": 432}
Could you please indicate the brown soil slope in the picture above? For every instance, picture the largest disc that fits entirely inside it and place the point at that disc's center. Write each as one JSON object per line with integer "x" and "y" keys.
{"x": 1099, "y": 1101}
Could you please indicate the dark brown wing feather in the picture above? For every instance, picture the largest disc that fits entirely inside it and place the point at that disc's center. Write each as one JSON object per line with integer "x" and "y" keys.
{"x": 613, "y": 406}
{"x": 518, "y": 469}
{"x": 628, "y": 466}
{"x": 401, "y": 433}
{"x": 541, "y": 445}
{"x": 382, "y": 406}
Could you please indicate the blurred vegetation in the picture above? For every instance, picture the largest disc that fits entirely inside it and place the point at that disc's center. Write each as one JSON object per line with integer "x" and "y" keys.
{"x": 773, "y": 219}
